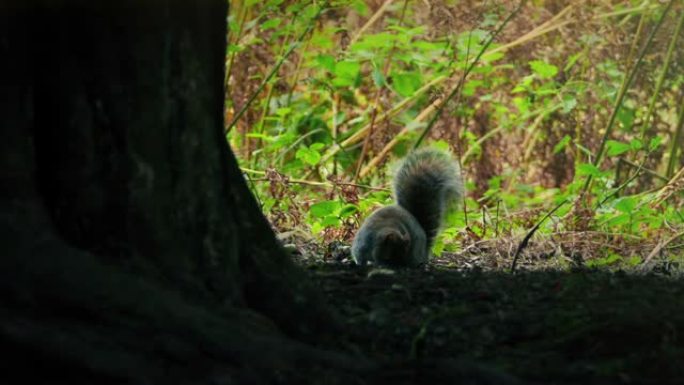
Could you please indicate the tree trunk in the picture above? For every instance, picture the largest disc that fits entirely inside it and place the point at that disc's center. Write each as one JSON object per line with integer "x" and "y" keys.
{"x": 133, "y": 249}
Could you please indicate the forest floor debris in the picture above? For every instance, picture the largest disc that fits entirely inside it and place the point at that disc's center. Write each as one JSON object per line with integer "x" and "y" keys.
{"x": 555, "y": 321}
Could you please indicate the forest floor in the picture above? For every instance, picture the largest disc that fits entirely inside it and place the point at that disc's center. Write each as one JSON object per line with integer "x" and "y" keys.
{"x": 547, "y": 323}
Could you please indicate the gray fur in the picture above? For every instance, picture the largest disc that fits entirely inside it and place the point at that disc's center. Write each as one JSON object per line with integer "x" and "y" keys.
{"x": 427, "y": 183}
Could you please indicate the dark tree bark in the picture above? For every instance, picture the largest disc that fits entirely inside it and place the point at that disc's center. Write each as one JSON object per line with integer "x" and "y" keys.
{"x": 133, "y": 251}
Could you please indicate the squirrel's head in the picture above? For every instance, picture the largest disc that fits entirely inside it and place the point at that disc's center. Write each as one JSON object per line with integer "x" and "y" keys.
{"x": 392, "y": 247}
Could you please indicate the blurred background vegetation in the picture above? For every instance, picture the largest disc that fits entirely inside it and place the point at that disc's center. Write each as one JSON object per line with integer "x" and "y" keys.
{"x": 575, "y": 105}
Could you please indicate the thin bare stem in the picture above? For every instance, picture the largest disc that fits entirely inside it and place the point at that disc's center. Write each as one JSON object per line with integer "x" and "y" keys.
{"x": 661, "y": 79}
{"x": 623, "y": 91}
{"x": 529, "y": 235}
{"x": 472, "y": 65}
{"x": 635, "y": 41}
{"x": 676, "y": 148}
{"x": 310, "y": 182}
{"x": 231, "y": 60}
{"x": 371, "y": 21}
{"x": 376, "y": 99}
{"x": 659, "y": 247}
{"x": 362, "y": 132}
{"x": 276, "y": 67}
{"x": 297, "y": 72}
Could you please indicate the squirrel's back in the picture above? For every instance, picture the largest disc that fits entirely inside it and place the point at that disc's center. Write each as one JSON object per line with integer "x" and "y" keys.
{"x": 425, "y": 184}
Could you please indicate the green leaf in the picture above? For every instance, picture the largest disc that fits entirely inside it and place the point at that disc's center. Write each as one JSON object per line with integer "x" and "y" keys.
{"x": 233, "y": 26}
{"x": 378, "y": 79}
{"x": 331, "y": 221}
{"x": 655, "y": 143}
{"x": 471, "y": 86}
{"x": 523, "y": 104}
{"x": 324, "y": 209}
{"x": 634, "y": 260}
{"x": 588, "y": 169}
{"x": 490, "y": 57}
{"x": 626, "y": 205}
{"x": 617, "y": 148}
{"x": 308, "y": 156}
{"x": 360, "y": 7}
{"x": 561, "y": 144}
{"x": 569, "y": 103}
{"x": 626, "y": 117}
{"x": 326, "y": 62}
{"x": 441, "y": 145}
{"x": 322, "y": 41}
{"x": 346, "y": 73}
{"x": 348, "y": 210}
{"x": 374, "y": 42}
{"x": 316, "y": 227}
{"x": 283, "y": 111}
{"x": 518, "y": 88}
{"x": 234, "y": 48}
{"x": 543, "y": 69}
{"x": 259, "y": 136}
{"x": 406, "y": 83}
{"x": 272, "y": 23}
{"x": 571, "y": 61}
{"x": 317, "y": 146}
{"x": 438, "y": 246}
{"x": 524, "y": 85}
{"x": 609, "y": 260}
{"x": 619, "y": 220}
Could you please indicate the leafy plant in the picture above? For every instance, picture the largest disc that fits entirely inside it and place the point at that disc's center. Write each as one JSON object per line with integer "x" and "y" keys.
{"x": 318, "y": 108}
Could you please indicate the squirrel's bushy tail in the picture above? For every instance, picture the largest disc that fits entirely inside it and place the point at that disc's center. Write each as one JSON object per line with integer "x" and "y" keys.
{"x": 426, "y": 182}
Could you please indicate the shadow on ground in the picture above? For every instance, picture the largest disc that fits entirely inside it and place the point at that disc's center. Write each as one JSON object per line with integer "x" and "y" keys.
{"x": 581, "y": 326}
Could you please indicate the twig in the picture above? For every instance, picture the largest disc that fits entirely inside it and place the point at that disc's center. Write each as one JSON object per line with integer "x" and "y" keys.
{"x": 625, "y": 183}
{"x": 621, "y": 95}
{"x": 397, "y": 138}
{"x": 538, "y": 31}
{"x": 439, "y": 104}
{"x": 645, "y": 128}
{"x": 362, "y": 132}
{"x": 644, "y": 169}
{"x": 310, "y": 182}
{"x": 658, "y": 248}
{"x": 371, "y": 21}
{"x": 456, "y": 90}
{"x": 231, "y": 60}
{"x": 676, "y": 147}
{"x": 673, "y": 185}
{"x": 276, "y": 67}
{"x": 471, "y": 150}
{"x": 376, "y": 99}
{"x": 529, "y": 235}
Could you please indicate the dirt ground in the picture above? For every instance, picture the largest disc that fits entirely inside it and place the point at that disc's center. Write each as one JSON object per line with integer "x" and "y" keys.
{"x": 547, "y": 323}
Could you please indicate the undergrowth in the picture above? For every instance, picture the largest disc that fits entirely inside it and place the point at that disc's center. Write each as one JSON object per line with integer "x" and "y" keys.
{"x": 547, "y": 104}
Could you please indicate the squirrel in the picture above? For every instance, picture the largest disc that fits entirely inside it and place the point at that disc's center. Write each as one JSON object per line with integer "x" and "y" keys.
{"x": 426, "y": 184}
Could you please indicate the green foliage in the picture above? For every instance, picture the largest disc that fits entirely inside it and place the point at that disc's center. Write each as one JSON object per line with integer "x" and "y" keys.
{"x": 329, "y": 214}
{"x": 527, "y": 121}
{"x": 543, "y": 70}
